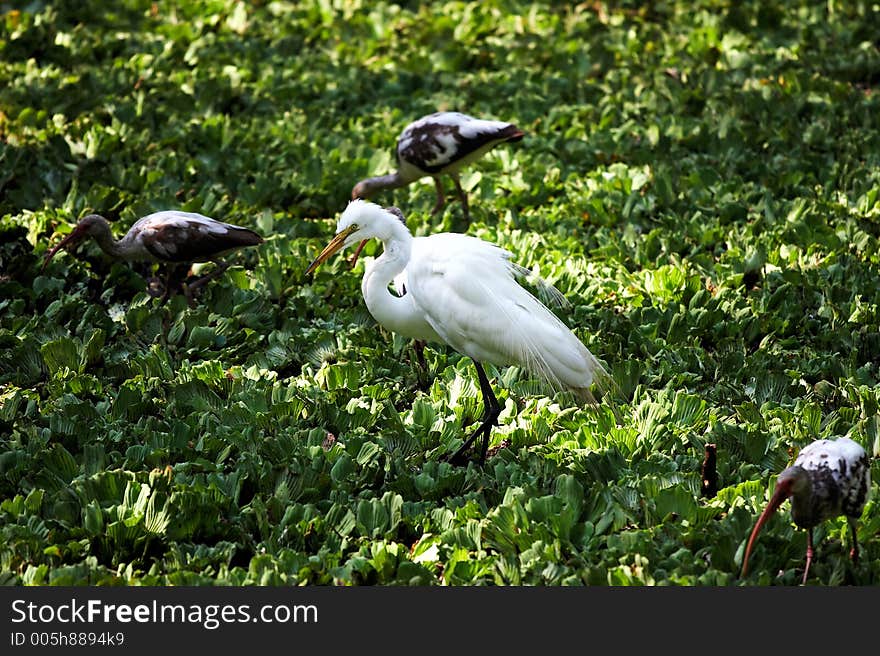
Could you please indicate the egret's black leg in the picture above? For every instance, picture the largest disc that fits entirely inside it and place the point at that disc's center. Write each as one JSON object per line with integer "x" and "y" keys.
{"x": 490, "y": 417}
{"x": 492, "y": 409}
{"x": 809, "y": 554}
{"x": 440, "y": 199}
{"x": 419, "y": 348}
{"x": 462, "y": 197}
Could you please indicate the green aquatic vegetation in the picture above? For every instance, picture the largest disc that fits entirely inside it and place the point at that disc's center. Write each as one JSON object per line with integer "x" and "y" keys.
{"x": 701, "y": 181}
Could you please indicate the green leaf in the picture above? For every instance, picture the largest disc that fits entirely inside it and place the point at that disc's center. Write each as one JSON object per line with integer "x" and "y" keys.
{"x": 60, "y": 354}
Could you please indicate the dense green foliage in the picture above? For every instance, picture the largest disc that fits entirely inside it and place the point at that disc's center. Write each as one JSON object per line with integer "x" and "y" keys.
{"x": 701, "y": 180}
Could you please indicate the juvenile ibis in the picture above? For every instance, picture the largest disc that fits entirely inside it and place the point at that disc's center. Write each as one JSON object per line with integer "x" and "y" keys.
{"x": 464, "y": 292}
{"x": 440, "y": 144}
{"x": 829, "y": 478}
{"x": 170, "y": 237}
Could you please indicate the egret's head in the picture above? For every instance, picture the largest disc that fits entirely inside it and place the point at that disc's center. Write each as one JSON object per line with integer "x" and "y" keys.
{"x": 88, "y": 226}
{"x": 361, "y": 220}
{"x": 365, "y": 220}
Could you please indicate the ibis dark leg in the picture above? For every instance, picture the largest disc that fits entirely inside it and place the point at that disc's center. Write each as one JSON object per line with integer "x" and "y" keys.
{"x": 854, "y": 551}
{"x": 156, "y": 286}
{"x": 490, "y": 417}
{"x": 462, "y": 197}
{"x": 198, "y": 283}
{"x": 174, "y": 275}
{"x": 440, "y": 198}
{"x": 169, "y": 275}
{"x": 809, "y": 554}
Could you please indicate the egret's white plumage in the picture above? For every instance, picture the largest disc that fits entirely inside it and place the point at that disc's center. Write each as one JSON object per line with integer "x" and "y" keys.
{"x": 463, "y": 291}
{"x": 470, "y": 296}
{"x": 442, "y": 143}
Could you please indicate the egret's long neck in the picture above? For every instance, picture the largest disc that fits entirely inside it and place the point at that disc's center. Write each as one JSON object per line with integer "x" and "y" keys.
{"x": 393, "y": 312}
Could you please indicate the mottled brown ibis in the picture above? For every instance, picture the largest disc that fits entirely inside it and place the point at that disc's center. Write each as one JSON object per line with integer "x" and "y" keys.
{"x": 440, "y": 144}
{"x": 170, "y": 237}
{"x": 829, "y": 478}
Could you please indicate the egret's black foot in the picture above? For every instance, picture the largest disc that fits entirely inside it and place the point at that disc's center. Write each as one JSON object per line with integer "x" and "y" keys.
{"x": 460, "y": 457}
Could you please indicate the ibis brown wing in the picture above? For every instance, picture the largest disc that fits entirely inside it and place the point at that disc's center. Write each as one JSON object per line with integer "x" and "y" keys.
{"x": 190, "y": 242}
{"x": 423, "y": 144}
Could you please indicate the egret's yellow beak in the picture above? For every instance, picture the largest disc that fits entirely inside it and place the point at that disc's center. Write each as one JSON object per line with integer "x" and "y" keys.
{"x": 335, "y": 245}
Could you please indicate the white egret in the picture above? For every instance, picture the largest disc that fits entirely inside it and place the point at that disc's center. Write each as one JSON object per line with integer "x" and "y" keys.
{"x": 463, "y": 291}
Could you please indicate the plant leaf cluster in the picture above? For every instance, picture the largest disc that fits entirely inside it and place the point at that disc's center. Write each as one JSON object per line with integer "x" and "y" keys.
{"x": 700, "y": 180}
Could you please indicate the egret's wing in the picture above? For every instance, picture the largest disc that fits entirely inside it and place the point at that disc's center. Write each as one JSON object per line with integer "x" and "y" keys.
{"x": 547, "y": 293}
{"x": 468, "y": 292}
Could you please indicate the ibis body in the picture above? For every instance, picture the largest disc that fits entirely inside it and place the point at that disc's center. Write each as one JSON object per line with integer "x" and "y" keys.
{"x": 829, "y": 478}
{"x": 171, "y": 237}
{"x": 440, "y": 144}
